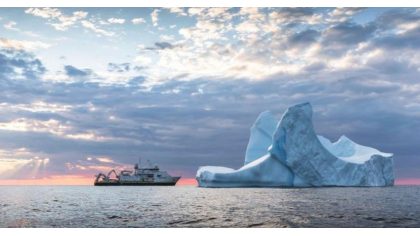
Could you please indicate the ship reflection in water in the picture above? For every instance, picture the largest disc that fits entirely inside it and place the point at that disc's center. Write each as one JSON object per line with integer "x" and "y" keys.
{"x": 150, "y": 175}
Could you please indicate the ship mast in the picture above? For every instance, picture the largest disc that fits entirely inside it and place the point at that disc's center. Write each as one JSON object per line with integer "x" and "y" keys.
{"x": 137, "y": 165}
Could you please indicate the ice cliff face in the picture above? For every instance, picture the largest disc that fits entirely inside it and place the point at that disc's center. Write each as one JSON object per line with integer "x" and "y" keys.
{"x": 290, "y": 154}
{"x": 261, "y": 136}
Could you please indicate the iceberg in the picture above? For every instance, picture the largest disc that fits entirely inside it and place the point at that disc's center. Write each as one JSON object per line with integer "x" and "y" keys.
{"x": 288, "y": 153}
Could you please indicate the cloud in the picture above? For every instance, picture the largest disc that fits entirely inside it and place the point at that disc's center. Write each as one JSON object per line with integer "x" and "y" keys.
{"x": 342, "y": 14}
{"x": 116, "y": 21}
{"x": 178, "y": 11}
{"x": 11, "y": 26}
{"x": 44, "y": 12}
{"x": 75, "y": 72}
{"x": 161, "y": 46}
{"x": 187, "y": 117}
{"x": 62, "y": 22}
{"x": 138, "y": 21}
{"x": 19, "y": 163}
{"x": 394, "y": 19}
{"x": 143, "y": 60}
{"x": 191, "y": 101}
{"x": 22, "y": 44}
{"x": 91, "y": 26}
{"x": 299, "y": 15}
{"x": 405, "y": 25}
{"x": 56, "y": 18}
{"x": 305, "y": 37}
{"x": 340, "y": 38}
{"x": 122, "y": 67}
{"x": 54, "y": 129}
{"x": 166, "y": 37}
{"x": 348, "y": 33}
{"x": 23, "y": 124}
{"x": 18, "y": 64}
{"x": 260, "y": 43}
{"x": 406, "y": 40}
{"x": 154, "y": 16}
{"x": 136, "y": 81}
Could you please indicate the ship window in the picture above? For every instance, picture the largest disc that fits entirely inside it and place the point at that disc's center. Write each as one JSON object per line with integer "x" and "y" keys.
{"x": 150, "y": 176}
{"x": 158, "y": 175}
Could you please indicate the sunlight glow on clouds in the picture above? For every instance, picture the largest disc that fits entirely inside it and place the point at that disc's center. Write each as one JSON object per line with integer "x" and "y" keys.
{"x": 96, "y": 89}
{"x": 50, "y": 126}
{"x": 22, "y": 44}
{"x": 18, "y": 160}
{"x": 36, "y": 106}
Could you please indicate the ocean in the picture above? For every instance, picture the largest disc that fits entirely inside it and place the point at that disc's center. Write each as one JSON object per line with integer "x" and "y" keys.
{"x": 188, "y": 206}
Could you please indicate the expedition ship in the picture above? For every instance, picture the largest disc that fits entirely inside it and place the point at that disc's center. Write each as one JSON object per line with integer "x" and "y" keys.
{"x": 140, "y": 176}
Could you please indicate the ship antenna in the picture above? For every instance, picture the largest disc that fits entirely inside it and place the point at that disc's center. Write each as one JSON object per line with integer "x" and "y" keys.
{"x": 139, "y": 161}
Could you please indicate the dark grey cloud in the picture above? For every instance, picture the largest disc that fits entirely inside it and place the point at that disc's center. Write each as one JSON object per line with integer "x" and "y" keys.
{"x": 407, "y": 39}
{"x": 75, "y": 72}
{"x": 207, "y": 121}
{"x": 317, "y": 66}
{"x": 393, "y": 66}
{"x": 137, "y": 81}
{"x": 392, "y": 18}
{"x": 344, "y": 36}
{"x": 139, "y": 68}
{"x": 12, "y": 60}
{"x": 295, "y": 15}
{"x": 393, "y": 35}
{"x": 305, "y": 37}
{"x": 162, "y": 46}
{"x": 119, "y": 67}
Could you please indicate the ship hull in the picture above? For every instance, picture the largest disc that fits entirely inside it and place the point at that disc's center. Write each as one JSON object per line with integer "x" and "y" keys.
{"x": 135, "y": 184}
{"x": 123, "y": 183}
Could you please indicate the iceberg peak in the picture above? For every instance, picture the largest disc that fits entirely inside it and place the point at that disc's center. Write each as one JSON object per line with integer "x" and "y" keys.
{"x": 260, "y": 137}
{"x": 305, "y": 108}
{"x": 343, "y": 138}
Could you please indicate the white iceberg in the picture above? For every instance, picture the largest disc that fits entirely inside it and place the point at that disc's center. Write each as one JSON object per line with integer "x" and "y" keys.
{"x": 290, "y": 154}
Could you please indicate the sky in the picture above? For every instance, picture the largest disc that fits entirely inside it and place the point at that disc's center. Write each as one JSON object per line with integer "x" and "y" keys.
{"x": 85, "y": 90}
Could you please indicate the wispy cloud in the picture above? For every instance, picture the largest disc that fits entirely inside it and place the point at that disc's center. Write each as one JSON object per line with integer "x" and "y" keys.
{"x": 11, "y": 25}
{"x": 91, "y": 26}
{"x": 138, "y": 21}
{"x": 155, "y": 17}
{"x": 56, "y": 18}
{"x": 23, "y": 44}
{"x": 116, "y": 21}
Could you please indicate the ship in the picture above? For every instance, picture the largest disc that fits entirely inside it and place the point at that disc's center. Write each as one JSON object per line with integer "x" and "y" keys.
{"x": 148, "y": 176}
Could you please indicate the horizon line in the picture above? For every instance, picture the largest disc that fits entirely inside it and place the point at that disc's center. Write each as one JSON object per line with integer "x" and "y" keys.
{"x": 84, "y": 181}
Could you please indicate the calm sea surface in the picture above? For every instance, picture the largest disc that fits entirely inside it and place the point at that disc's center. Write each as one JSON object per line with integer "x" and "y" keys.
{"x": 186, "y": 206}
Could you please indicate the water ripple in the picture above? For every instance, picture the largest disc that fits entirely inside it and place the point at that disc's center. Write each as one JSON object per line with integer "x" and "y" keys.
{"x": 87, "y": 206}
